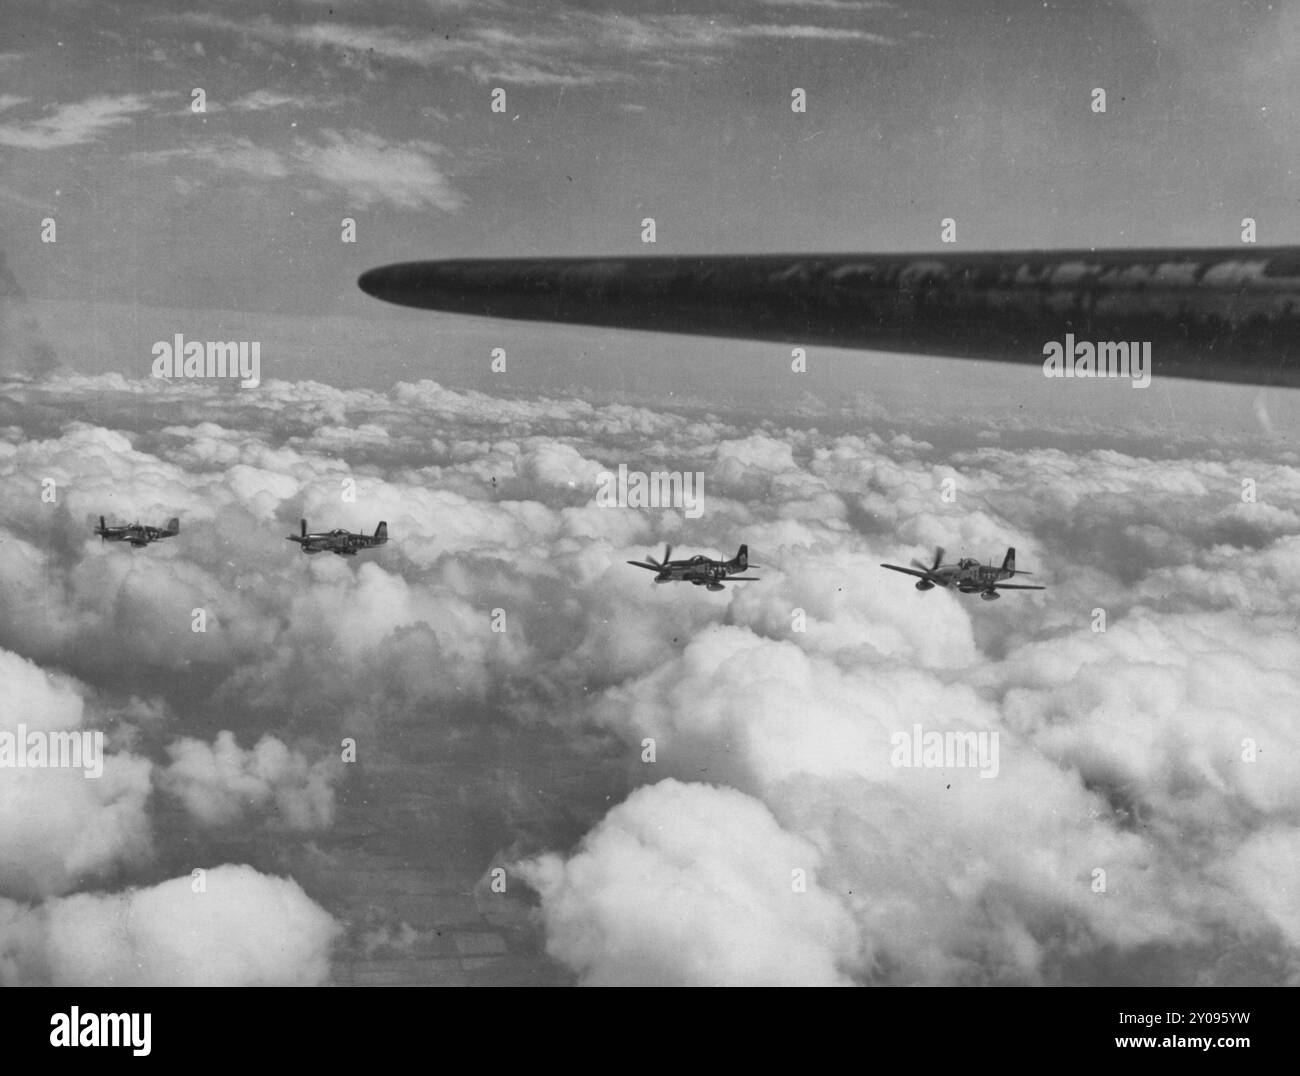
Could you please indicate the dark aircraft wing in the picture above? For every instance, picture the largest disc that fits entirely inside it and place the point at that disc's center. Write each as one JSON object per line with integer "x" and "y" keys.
{"x": 1226, "y": 314}
{"x": 1016, "y": 586}
{"x": 908, "y": 571}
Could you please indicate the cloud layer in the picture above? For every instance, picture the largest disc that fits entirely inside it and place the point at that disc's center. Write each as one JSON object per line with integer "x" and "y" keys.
{"x": 1137, "y": 825}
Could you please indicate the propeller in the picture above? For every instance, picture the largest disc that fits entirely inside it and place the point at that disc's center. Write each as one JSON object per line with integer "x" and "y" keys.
{"x": 668, "y": 554}
{"x": 650, "y": 562}
{"x": 938, "y": 557}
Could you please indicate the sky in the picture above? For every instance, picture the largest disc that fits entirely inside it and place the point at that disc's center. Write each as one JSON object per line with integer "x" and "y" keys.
{"x": 496, "y": 819}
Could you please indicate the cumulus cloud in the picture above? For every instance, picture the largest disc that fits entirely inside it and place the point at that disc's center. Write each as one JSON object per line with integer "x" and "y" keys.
{"x": 691, "y": 885}
{"x": 60, "y": 828}
{"x": 230, "y": 927}
{"x": 220, "y": 783}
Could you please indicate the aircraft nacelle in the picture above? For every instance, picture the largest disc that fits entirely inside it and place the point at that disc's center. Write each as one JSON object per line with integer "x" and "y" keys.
{"x": 925, "y": 584}
{"x": 990, "y": 595}
{"x": 716, "y": 586}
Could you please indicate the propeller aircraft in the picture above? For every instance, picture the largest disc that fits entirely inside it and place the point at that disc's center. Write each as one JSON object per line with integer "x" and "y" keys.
{"x": 136, "y": 534}
{"x": 701, "y": 570}
{"x": 968, "y": 575}
{"x": 342, "y": 542}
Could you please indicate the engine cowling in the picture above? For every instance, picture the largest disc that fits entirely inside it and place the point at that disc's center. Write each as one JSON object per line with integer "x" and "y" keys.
{"x": 925, "y": 584}
{"x": 990, "y": 595}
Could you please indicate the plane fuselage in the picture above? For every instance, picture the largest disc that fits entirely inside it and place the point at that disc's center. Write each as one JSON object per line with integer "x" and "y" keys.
{"x": 339, "y": 541}
{"x": 969, "y": 576}
{"x": 700, "y": 570}
{"x": 136, "y": 534}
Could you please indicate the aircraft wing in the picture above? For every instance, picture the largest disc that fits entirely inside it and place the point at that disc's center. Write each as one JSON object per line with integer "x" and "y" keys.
{"x": 1225, "y": 314}
{"x": 1016, "y": 586}
{"x": 908, "y": 571}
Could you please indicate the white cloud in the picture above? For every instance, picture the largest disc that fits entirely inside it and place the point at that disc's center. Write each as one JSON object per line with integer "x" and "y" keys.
{"x": 232, "y": 154}
{"x": 241, "y": 929}
{"x": 691, "y": 885}
{"x": 59, "y": 827}
{"x": 1119, "y": 750}
{"x": 371, "y": 169}
{"x": 221, "y": 783}
{"x": 366, "y": 168}
{"x": 73, "y": 124}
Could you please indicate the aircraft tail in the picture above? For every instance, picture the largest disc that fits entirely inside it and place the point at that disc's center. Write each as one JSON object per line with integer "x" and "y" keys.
{"x": 1009, "y": 561}
{"x": 742, "y": 558}
{"x": 174, "y": 525}
{"x": 303, "y": 523}
{"x": 381, "y": 532}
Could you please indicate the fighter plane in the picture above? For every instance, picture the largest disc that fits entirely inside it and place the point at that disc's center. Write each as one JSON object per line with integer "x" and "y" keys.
{"x": 1226, "y": 314}
{"x": 342, "y": 542}
{"x": 136, "y": 534}
{"x": 967, "y": 575}
{"x": 701, "y": 570}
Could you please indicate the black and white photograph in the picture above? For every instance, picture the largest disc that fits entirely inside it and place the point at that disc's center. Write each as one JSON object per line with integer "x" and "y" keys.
{"x": 773, "y": 493}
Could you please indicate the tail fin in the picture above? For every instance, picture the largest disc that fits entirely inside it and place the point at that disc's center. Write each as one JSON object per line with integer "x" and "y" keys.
{"x": 102, "y": 525}
{"x": 304, "y": 527}
{"x": 174, "y": 524}
{"x": 381, "y": 532}
{"x": 742, "y": 558}
{"x": 1009, "y": 562}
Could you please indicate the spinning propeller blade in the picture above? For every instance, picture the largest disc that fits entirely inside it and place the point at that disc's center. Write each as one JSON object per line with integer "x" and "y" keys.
{"x": 938, "y": 558}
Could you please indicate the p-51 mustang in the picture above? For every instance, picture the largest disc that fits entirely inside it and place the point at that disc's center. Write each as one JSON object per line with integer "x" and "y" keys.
{"x": 136, "y": 534}
{"x": 967, "y": 575}
{"x": 342, "y": 542}
{"x": 701, "y": 570}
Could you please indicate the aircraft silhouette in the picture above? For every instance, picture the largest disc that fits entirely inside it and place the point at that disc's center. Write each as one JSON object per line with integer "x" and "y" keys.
{"x": 701, "y": 570}
{"x": 342, "y": 542}
{"x": 968, "y": 575}
{"x": 136, "y": 534}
